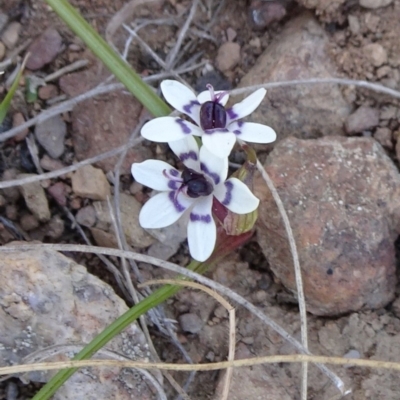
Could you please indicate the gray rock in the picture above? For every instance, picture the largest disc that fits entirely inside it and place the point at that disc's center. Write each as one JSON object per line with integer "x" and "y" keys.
{"x": 191, "y": 323}
{"x": 10, "y": 35}
{"x": 375, "y": 3}
{"x": 342, "y": 196}
{"x": 35, "y": 199}
{"x": 228, "y": 56}
{"x": 51, "y": 134}
{"x": 362, "y": 119}
{"x": 86, "y": 216}
{"x": 44, "y": 49}
{"x": 376, "y": 54}
{"x": 299, "y": 52}
{"x": 51, "y": 300}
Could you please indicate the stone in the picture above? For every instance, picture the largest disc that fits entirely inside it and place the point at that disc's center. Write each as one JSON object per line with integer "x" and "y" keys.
{"x": 44, "y": 49}
{"x": 191, "y": 323}
{"x": 50, "y": 164}
{"x": 47, "y": 299}
{"x": 11, "y": 193}
{"x": 2, "y": 51}
{"x": 384, "y": 137}
{"x": 363, "y": 119}
{"x": 35, "y": 199}
{"x": 264, "y": 13}
{"x": 136, "y": 236}
{"x": 375, "y": 3}
{"x": 90, "y": 183}
{"x": 10, "y": 35}
{"x": 47, "y": 92}
{"x": 354, "y": 24}
{"x": 306, "y": 111}
{"x": 86, "y": 216}
{"x": 28, "y": 222}
{"x": 228, "y": 56}
{"x": 58, "y": 193}
{"x": 99, "y": 125}
{"x": 51, "y": 134}
{"x": 375, "y": 53}
{"x": 3, "y": 20}
{"x": 19, "y": 119}
{"x": 342, "y": 196}
{"x": 55, "y": 227}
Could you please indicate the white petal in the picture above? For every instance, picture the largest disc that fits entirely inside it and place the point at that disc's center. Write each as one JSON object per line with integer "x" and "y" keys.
{"x": 163, "y": 210}
{"x": 213, "y": 166}
{"x": 202, "y": 232}
{"x": 236, "y": 196}
{"x": 246, "y": 106}
{"x": 219, "y": 143}
{"x": 187, "y": 150}
{"x": 253, "y": 132}
{"x": 151, "y": 173}
{"x": 169, "y": 129}
{"x": 181, "y": 98}
{"x": 206, "y": 96}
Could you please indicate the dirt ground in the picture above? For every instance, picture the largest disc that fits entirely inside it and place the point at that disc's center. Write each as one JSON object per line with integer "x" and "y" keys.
{"x": 351, "y": 28}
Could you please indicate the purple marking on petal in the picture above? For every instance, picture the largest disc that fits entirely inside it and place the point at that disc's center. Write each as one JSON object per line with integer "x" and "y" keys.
{"x": 173, "y": 172}
{"x": 174, "y": 185}
{"x": 237, "y": 132}
{"x": 174, "y": 198}
{"x": 189, "y": 155}
{"x": 231, "y": 114}
{"x": 188, "y": 107}
{"x": 185, "y": 128}
{"x": 228, "y": 194}
{"x": 200, "y": 218}
{"x": 214, "y": 176}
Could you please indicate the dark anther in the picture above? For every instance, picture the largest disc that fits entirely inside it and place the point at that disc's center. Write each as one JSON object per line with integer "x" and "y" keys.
{"x": 212, "y": 115}
{"x": 197, "y": 185}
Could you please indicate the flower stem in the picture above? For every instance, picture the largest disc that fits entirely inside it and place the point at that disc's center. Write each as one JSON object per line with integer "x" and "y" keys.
{"x": 113, "y": 61}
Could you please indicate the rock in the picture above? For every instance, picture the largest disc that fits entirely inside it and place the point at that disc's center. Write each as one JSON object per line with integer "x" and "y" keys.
{"x": 44, "y": 49}
{"x": 228, "y": 56}
{"x": 55, "y": 227}
{"x": 90, "y": 183}
{"x": 28, "y": 222}
{"x": 2, "y": 51}
{"x": 136, "y": 236}
{"x": 11, "y": 193}
{"x": 299, "y": 52}
{"x": 264, "y": 13}
{"x": 86, "y": 216}
{"x": 19, "y": 119}
{"x": 384, "y": 137}
{"x": 342, "y": 196}
{"x": 101, "y": 125}
{"x": 58, "y": 193}
{"x": 375, "y": 3}
{"x": 47, "y": 92}
{"x": 35, "y": 199}
{"x": 354, "y": 24}
{"x": 52, "y": 300}
{"x": 49, "y": 164}
{"x": 51, "y": 134}
{"x": 191, "y": 323}
{"x": 3, "y": 20}
{"x": 10, "y": 35}
{"x": 375, "y": 53}
{"x": 364, "y": 118}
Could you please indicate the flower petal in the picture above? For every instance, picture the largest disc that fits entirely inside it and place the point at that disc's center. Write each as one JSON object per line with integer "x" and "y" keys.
{"x": 163, "y": 209}
{"x": 252, "y": 132}
{"x": 219, "y": 143}
{"x": 213, "y": 166}
{"x": 236, "y": 196}
{"x": 188, "y": 151}
{"x": 206, "y": 96}
{"x": 246, "y": 106}
{"x": 151, "y": 173}
{"x": 181, "y": 98}
{"x": 169, "y": 129}
{"x": 202, "y": 232}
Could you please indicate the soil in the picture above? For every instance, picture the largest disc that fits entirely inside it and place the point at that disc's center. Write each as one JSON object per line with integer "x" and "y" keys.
{"x": 351, "y": 28}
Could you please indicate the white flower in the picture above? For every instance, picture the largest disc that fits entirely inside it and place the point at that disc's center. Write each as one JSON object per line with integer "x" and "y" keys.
{"x": 193, "y": 189}
{"x": 218, "y": 127}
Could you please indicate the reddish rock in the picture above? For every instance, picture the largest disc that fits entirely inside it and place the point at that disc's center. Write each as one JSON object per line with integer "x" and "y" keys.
{"x": 299, "y": 52}
{"x": 264, "y": 13}
{"x": 228, "y": 56}
{"x": 342, "y": 196}
{"x": 362, "y": 119}
{"x": 101, "y": 124}
{"x": 44, "y": 49}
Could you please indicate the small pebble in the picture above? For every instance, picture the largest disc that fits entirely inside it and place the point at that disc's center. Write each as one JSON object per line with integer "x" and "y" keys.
{"x": 11, "y": 212}
{"x": 48, "y": 92}
{"x": 135, "y": 188}
{"x": 2, "y": 51}
{"x": 384, "y": 137}
{"x": 10, "y": 35}
{"x": 50, "y": 164}
{"x": 264, "y": 13}
{"x": 86, "y": 216}
{"x": 364, "y": 118}
{"x": 55, "y": 227}
{"x": 11, "y": 193}
{"x": 375, "y": 53}
{"x": 228, "y": 56}
{"x": 191, "y": 323}
{"x": 375, "y": 3}
{"x": 57, "y": 192}
{"x": 91, "y": 183}
{"x": 51, "y": 134}
{"x": 28, "y": 222}
{"x": 18, "y": 119}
